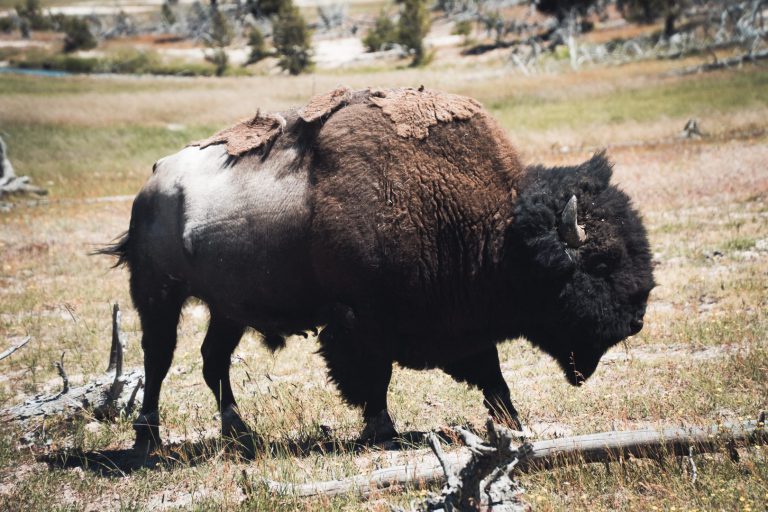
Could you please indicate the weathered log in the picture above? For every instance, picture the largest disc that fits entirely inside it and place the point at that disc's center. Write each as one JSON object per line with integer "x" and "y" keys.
{"x": 106, "y": 397}
{"x": 601, "y": 447}
{"x": 10, "y": 183}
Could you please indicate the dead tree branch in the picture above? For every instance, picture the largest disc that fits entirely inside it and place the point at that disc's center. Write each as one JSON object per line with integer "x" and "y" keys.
{"x": 107, "y": 396}
{"x": 65, "y": 380}
{"x": 10, "y": 183}
{"x": 600, "y": 447}
{"x": 118, "y": 344}
{"x": 14, "y": 348}
{"x": 484, "y": 482}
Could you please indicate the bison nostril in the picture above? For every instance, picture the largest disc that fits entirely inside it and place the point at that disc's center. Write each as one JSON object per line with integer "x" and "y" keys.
{"x": 635, "y": 326}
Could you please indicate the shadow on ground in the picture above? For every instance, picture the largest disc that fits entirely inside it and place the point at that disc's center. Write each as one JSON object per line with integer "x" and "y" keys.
{"x": 121, "y": 463}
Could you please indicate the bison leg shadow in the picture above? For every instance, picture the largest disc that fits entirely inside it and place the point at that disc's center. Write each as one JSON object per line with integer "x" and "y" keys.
{"x": 121, "y": 463}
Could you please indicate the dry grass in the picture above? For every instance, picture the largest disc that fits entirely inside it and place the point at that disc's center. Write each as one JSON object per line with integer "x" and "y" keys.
{"x": 702, "y": 358}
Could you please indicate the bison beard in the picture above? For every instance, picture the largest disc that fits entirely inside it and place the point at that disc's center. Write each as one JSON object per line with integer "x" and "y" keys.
{"x": 423, "y": 244}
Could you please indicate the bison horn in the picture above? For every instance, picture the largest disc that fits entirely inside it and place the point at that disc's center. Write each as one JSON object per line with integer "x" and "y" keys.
{"x": 570, "y": 231}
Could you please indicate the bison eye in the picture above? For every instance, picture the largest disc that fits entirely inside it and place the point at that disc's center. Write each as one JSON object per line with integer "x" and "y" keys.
{"x": 599, "y": 267}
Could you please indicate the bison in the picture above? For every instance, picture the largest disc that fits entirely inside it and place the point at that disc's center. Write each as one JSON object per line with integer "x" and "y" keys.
{"x": 402, "y": 223}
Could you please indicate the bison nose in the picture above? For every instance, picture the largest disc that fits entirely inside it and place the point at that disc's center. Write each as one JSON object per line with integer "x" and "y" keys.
{"x": 635, "y": 326}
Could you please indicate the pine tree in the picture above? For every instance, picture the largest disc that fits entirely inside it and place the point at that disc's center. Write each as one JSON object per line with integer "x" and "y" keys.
{"x": 412, "y": 27}
{"x": 292, "y": 40}
{"x": 383, "y": 34}
{"x": 220, "y": 36}
{"x": 77, "y": 35}
{"x": 258, "y": 46}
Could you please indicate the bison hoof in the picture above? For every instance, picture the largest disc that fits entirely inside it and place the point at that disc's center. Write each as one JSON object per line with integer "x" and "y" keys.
{"x": 147, "y": 427}
{"x": 238, "y": 436}
{"x": 378, "y": 429}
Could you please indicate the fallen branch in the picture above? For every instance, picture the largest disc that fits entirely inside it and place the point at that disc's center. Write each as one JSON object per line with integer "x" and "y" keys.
{"x": 14, "y": 348}
{"x": 730, "y": 62}
{"x": 19, "y": 185}
{"x": 107, "y": 396}
{"x": 601, "y": 447}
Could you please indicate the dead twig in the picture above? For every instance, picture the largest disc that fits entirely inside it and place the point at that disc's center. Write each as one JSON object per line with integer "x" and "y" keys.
{"x": 118, "y": 345}
{"x": 63, "y": 374}
{"x": 14, "y": 348}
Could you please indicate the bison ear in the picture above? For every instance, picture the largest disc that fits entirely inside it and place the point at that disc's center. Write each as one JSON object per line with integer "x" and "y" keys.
{"x": 595, "y": 173}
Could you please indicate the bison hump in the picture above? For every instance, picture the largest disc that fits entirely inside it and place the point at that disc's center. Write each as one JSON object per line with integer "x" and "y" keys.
{"x": 414, "y": 111}
{"x": 248, "y": 134}
{"x": 325, "y": 104}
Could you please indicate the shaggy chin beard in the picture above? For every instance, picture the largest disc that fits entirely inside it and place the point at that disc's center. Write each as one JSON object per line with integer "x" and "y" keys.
{"x": 579, "y": 368}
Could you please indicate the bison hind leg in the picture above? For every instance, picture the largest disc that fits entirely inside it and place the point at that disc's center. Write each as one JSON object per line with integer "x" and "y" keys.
{"x": 158, "y": 303}
{"x": 221, "y": 340}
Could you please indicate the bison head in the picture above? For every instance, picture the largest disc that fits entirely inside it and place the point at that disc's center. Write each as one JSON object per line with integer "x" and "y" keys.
{"x": 583, "y": 260}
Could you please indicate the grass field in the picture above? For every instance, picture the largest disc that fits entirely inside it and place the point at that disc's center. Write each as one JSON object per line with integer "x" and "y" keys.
{"x": 702, "y": 357}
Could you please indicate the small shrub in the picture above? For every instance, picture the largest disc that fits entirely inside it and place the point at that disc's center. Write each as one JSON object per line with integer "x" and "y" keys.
{"x": 266, "y": 8}
{"x": 462, "y": 28}
{"x": 167, "y": 15}
{"x": 258, "y": 47}
{"x": 130, "y": 61}
{"x": 68, "y": 63}
{"x": 30, "y": 11}
{"x": 218, "y": 57}
{"x": 7, "y": 24}
{"x": 78, "y": 35}
{"x": 221, "y": 32}
{"x": 127, "y": 61}
{"x": 292, "y": 41}
{"x": 220, "y": 35}
{"x": 412, "y": 27}
{"x": 382, "y": 35}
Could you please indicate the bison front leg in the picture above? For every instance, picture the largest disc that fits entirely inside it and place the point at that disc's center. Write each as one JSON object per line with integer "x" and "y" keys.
{"x": 362, "y": 378}
{"x": 483, "y": 370}
{"x": 220, "y": 341}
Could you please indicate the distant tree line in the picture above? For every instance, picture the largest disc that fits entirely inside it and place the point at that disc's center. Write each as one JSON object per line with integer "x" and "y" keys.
{"x": 291, "y": 37}
{"x": 30, "y": 16}
{"x": 638, "y": 11}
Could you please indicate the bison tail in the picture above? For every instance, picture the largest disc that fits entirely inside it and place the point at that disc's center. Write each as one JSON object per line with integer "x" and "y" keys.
{"x": 119, "y": 249}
